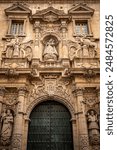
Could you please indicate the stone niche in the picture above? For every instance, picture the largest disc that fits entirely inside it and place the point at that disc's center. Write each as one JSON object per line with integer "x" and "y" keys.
{"x": 50, "y": 48}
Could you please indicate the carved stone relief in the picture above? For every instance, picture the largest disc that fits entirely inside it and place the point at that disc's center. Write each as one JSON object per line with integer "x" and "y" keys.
{"x": 82, "y": 48}
{"x": 16, "y": 142}
{"x": 89, "y": 48}
{"x": 6, "y": 127}
{"x": 89, "y": 74}
{"x": 84, "y": 142}
{"x": 74, "y": 49}
{"x": 91, "y": 99}
{"x": 18, "y": 48}
{"x": 37, "y": 89}
{"x": 50, "y": 52}
{"x": 49, "y": 27}
{"x": 50, "y": 85}
{"x": 93, "y": 127}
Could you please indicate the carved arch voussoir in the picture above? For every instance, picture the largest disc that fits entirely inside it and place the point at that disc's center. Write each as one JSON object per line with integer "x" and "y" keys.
{"x": 46, "y": 98}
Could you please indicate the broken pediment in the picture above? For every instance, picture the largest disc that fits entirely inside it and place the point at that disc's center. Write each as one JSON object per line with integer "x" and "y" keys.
{"x": 50, "y": 14}
{"x": 81, "y": 9}
{"x": 17, "y": 8}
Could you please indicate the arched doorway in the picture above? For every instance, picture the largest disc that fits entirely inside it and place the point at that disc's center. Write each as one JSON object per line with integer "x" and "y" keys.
{"x": 50, "y": 127}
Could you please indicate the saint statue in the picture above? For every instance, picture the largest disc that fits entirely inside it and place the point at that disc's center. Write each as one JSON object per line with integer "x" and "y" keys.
{"x": 7, "y": 126}
{"x": 50, "y": 52}
{"x": 93, "y": 123}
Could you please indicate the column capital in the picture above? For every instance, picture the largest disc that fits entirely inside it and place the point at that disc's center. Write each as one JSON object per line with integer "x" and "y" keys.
{"x": 22, "y": 91}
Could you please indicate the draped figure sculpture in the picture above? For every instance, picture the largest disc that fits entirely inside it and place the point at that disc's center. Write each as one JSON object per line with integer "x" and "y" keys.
{"x": 93, "y": 123}
{"x": 50, "y": 53}
{"x": 7, "y": 127}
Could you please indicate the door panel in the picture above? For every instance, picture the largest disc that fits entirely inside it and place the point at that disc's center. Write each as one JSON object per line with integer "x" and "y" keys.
{"x": 50, "y": 127}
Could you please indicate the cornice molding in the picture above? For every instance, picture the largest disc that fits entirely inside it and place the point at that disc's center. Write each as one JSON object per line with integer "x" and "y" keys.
{"x": 55, "y": 1}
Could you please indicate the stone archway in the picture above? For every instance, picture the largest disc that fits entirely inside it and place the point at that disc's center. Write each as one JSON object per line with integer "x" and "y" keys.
{"x": 50, "y": 127}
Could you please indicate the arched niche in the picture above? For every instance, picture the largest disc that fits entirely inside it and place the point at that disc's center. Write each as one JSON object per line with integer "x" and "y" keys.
{"x": 50, "y": 47}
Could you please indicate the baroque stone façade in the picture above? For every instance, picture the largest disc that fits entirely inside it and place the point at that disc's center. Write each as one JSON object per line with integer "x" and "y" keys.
{"x": 47, "y": 54}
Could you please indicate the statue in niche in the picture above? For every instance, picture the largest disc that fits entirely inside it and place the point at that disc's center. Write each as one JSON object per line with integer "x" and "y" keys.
{"x": 93, "y": 123}
{"x": 17, "y": 48}
{"x": 50, "y": 52}
{"x": 6, "y": 126}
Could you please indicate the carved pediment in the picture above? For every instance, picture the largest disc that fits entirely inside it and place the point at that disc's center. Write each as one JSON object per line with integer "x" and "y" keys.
{"x": 81, "y": 9}
{"x": 17, "y": 8}
{"x": 50, "y": 14}
{"x": 50, "y": 17}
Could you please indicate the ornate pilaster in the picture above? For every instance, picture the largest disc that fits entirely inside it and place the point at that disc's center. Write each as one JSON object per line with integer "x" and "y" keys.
{"x": 19, "y": 121}
{"x": 81, "y": 119}
{"x": 64, "y": 38}
{"x": 21, "y": 99}
{"x": 37, "y": 36}
{"x": 64, "y": 29}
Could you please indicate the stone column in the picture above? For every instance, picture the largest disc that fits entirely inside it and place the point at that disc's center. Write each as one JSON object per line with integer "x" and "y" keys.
{"x": 36, "y": 52}
{"x": 74, "y": 130}
{"x": 81, "y": 121}
{"x": 17, "y": 139}
{"x": 64, "y": 38}
{"x": 27, "y": 120}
